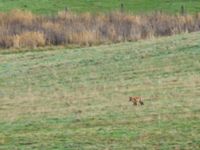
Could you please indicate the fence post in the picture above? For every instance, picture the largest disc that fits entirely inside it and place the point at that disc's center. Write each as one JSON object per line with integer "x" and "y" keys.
{"x": 122, "y": 7}
{"x": 182, "y": 10}
{"x": 66, "y": 9}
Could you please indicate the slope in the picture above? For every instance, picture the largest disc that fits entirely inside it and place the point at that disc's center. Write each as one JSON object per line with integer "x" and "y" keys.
{"x": 78, "y": 98}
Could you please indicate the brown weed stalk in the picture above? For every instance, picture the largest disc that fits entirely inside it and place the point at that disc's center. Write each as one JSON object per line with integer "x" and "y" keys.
{"x": 24, "y": 29}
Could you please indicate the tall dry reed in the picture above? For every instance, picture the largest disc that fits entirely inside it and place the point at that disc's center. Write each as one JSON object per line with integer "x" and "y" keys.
{"x": 24, "y": 29}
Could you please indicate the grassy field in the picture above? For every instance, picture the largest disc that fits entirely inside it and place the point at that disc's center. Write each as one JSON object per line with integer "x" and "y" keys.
{"x": 78, "y": 98}
{"x": 136, "y": 6}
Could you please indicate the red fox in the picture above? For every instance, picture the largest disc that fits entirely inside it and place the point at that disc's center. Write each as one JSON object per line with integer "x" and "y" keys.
{"x": 136, "y": 100}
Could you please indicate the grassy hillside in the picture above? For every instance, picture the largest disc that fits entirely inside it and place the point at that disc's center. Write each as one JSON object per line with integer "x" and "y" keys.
{"x": 78, "y": 99}
{"x": 137, "y": 6}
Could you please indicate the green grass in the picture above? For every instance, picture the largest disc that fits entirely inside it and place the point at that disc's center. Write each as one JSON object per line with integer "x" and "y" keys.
{"x": 136, "y": 6}
{"x": 78, "y": 98}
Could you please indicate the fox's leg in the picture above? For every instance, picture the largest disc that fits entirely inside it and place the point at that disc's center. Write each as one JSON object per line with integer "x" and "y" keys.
{"x": 141, "y": 102}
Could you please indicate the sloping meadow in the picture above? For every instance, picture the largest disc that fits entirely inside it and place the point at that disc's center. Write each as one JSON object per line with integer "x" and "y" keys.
{"x": 78, "y": 99}
{"x": 19, "y": 29}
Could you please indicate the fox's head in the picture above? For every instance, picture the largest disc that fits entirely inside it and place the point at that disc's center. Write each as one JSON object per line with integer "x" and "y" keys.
{"x": 130, "y": 98}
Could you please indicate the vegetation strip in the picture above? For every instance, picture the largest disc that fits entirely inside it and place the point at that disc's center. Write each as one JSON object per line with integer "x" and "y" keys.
{"x": 26, "y": 30}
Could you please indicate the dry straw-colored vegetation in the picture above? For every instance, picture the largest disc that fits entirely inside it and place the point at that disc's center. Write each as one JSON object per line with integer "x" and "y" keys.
{"x": 23, "y": 29}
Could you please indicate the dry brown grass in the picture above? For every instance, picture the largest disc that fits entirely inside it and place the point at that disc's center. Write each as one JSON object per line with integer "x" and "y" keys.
{"x": 23, "y": 29}
{"x": 6, "y": 41}
{"x": 84, "y": 38}
{"x": 29, "y": 39}
{"x": 17, "y": 16}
